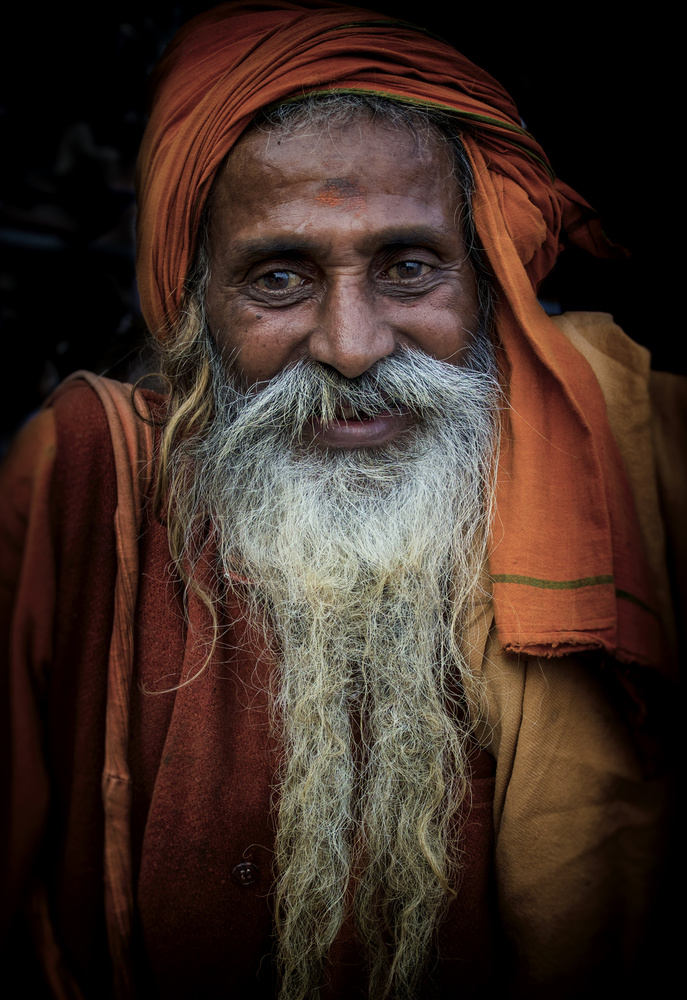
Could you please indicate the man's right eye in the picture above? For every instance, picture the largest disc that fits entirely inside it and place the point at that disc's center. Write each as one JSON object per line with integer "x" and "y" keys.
{"x": 279, "y": 281}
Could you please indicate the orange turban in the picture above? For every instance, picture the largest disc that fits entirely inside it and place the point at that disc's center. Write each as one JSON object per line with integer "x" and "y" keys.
{"x": 567, "y": 573}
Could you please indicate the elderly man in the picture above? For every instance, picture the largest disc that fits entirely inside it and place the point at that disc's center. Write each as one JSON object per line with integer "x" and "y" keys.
{"x": 326, "y": 662}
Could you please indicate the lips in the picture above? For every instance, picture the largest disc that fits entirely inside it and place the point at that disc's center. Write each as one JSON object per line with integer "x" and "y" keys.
{"x": 352, "y": 429}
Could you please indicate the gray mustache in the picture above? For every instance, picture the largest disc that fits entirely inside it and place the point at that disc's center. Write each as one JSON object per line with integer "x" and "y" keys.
{"x": 406, "y": 381}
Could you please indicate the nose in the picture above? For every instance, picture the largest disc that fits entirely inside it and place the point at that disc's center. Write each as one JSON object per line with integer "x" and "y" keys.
{"x": 350, "y": 335}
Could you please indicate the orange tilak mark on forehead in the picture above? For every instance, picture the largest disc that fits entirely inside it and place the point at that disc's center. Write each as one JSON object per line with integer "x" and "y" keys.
{"x": 337, "y": 190}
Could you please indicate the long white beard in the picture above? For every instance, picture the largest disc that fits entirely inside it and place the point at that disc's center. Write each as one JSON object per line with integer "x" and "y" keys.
{"x": 364, "y": 563}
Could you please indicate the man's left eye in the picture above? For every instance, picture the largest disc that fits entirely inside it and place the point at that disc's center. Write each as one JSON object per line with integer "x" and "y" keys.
{"x": 406, "y": 270}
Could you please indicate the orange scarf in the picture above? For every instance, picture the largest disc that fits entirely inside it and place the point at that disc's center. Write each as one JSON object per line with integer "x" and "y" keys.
{"x": 568, "y": 574}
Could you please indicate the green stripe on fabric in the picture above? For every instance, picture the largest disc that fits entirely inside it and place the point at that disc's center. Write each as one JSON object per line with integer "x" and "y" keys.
{"x": 421, "y": 102}
{"x": 585, "y": 581}
{"x": 533, "y": 581}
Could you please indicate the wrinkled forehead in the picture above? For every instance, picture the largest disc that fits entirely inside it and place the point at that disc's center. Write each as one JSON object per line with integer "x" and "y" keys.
{"x": 340, "y": 162}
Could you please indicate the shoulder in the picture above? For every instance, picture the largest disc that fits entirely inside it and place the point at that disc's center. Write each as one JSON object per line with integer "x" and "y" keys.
{"x": 91, "y": 431}
{"x": 619, "y": 361}
{"x": 58, "y": 466}
{"x": 605, "y": 345}
{"x": 91, "y": 409}
{"x": 81, "y": 426}
{"x": 99, "y": 420}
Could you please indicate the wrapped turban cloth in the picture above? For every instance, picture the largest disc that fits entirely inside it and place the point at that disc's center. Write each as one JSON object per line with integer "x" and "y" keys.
{"x": 566, "y": 572}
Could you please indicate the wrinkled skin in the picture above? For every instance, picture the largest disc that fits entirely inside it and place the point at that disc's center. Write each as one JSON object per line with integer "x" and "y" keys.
{"x": 340, "y": 247}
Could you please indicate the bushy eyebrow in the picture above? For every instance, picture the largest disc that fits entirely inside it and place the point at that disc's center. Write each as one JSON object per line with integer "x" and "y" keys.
{"x": 257, "y": 249}
{"x": 419, "y": 235}
{"x": 248, "y": 251}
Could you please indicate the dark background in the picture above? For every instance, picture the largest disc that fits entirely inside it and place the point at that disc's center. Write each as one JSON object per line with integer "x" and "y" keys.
{"x": 593, "y": 90}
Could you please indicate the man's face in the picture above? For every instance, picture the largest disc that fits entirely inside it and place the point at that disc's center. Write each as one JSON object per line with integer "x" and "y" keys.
{"x": 339, "y": 247}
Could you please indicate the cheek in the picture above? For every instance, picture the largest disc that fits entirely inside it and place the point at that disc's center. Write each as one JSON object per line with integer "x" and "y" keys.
{"x": 255, "y": 343}
{"x": 443, "y": 331}
{"x": 444, "y": 342}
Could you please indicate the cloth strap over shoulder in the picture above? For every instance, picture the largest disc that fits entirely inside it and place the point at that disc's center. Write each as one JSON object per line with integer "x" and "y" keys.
{"x": 132, "y": 433}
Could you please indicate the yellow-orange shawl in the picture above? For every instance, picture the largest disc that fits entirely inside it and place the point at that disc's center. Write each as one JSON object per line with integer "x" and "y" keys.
{"x": 566, "y": 562}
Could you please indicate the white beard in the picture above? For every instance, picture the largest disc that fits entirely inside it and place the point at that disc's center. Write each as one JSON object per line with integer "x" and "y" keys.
{"x": 364, "y": 564}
